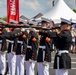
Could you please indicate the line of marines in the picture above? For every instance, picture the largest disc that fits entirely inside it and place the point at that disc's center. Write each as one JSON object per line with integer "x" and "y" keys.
{"x": 26, "y": 48}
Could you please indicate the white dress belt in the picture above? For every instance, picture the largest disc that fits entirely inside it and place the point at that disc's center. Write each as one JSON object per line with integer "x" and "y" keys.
{"x": 62, "y": 51}
{"x": 21, "y": 42}
{"x": 29, "y": 47}
{"x": 11, "y": 41}
{"x": 43, "y": 47}
{"x": 0, "y": 41}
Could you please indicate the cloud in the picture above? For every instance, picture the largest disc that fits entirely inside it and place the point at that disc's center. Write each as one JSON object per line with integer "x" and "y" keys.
{"x": 70, "y": 3}
{"x": 35, "y": 5}
{"x": 50, "y": 1}
{"x": 3, "y": 8}
{"x": 32, "y": 7}
{"x": 2, "y": 2}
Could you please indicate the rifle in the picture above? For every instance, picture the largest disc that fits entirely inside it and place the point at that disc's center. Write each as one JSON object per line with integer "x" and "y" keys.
{"x": 26, "y": 26}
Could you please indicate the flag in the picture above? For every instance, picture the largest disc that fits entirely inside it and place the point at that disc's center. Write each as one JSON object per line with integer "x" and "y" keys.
{"x": 12, "y": 10}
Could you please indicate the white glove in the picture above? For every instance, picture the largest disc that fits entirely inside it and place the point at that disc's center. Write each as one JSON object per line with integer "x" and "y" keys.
{"x": 30, "y": 60}
{"x": 13, "y": 53}
{"x": 22, "y": 55}
{"x": 22, "y": 29}
{"x": 45, "y": 63}
{"x": 3, "y": 52}
{"x": 33, "y": 29}
{"x": 28, "y": 31}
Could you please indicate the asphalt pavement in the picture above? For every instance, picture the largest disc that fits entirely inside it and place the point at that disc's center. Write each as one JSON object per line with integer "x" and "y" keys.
{"x": 71, "y": 71}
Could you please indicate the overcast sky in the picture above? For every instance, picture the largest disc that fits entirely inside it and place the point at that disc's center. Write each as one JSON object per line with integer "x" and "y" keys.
{"x": 30, "y": 8}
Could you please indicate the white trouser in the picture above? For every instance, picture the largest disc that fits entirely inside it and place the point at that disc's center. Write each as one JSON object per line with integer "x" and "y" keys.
{"x": 43, "y": 69}
{"x": 2, "y": 63}
{"x": 61, "y": 72}
{"x": 11, "y": 63}
{"x": 30, "y": 67}
{"x": 20, "y": 65}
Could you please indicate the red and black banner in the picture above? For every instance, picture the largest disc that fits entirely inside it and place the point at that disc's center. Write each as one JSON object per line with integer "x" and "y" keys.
{"x": 12, "y": 10}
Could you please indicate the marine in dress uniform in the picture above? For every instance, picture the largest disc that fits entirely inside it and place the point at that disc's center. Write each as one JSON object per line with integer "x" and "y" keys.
{"x": 11, "y": 36}
{"x": 12, "y": 39}
{"x": 44, "y": 53}
{"x": 2, "y": 53}
{"x": 31, "y": 53}
{"x": 12, "y": 53}
{"x": 21, "y": 50}
{"x": 62, "y": 61}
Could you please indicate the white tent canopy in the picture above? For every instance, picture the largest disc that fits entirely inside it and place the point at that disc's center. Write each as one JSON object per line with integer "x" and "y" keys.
{"x": 60, "y": 10}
